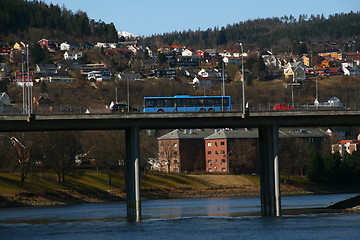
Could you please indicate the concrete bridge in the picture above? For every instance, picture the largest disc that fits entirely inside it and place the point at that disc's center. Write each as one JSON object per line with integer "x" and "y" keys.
{"x": 268, "y": 124}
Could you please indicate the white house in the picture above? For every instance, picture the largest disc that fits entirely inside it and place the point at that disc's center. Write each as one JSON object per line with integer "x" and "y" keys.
{"x": 187, "y": 53}
{"x": 67, "y": 47}
{"x": 5, "y": 99}
{"x": 72, "y": 55}
{"x": 350, "y": 69}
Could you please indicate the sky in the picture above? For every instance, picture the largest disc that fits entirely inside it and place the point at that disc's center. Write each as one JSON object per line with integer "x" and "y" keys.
{"x": 148, "y": 17}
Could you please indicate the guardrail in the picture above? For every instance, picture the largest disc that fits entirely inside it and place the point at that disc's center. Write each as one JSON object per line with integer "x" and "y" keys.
{"x": 46, "y": 110}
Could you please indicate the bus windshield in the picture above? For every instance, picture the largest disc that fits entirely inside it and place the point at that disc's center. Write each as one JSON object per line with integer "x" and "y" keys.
{"x": 185, "y": 103}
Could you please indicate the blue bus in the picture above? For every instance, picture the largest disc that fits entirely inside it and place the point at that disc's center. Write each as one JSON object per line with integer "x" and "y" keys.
{"x": 186, "y": 103}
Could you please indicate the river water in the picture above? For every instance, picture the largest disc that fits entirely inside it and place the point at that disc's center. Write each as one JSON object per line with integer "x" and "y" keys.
{"x": 203, "y": 219}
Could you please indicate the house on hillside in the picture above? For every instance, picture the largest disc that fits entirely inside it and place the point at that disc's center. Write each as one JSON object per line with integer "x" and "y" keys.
{"x": 67, "y": 47}
{"x": 72, "y": 55}
{"x": 4, "y": 49}
{"x": 187, "y": 53}
{"x": 46, "y": 69}
{"x": 96, "y": 72}
{"x": 50, "y": 45}
{"x": 295, "y": 71}
{"x": 5, "y": 104}
{"x": 206, "y": 77}
{"x": 129, "y": 77}
{"x": 4, "y": 72}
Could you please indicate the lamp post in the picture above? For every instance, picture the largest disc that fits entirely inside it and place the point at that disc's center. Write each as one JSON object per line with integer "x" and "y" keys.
{"x": 223, "y": 85}
{"x": 242, "y": 78}
{"x": 29, "y": 96}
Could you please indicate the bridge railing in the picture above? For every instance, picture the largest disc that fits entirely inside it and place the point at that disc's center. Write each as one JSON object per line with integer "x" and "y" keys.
{"x": 46, "y": 110}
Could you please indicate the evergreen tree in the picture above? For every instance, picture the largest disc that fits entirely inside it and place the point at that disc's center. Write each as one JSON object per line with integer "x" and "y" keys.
{"x": 315, "y": 171}
{"x": 38, "y": 54}
{"x": 333, "y": 170}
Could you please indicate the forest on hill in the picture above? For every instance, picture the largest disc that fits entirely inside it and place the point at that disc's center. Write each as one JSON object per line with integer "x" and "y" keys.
{"x": 33, "y": 20}
{"x": 279, "y": 34}
{"x": 22, "y": 20}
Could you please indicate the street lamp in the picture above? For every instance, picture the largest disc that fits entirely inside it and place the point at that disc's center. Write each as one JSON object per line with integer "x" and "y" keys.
{"x": 242, "y": 78}
{"x": 223, "y": 85}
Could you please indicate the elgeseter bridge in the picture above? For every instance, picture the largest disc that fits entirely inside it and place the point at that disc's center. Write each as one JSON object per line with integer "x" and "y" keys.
{"x": 268, "y": 124}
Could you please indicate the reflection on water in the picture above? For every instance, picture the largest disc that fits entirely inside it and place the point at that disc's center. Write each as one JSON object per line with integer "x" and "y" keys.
{"x": 207, "y": 218}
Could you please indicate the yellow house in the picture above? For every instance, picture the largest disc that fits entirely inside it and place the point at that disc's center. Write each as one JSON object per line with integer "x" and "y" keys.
{"x": 306, "y": 60}
{"x": 332, "y": 54}
{"x": 19, "y": 46}
{"x": 295, "y": 71}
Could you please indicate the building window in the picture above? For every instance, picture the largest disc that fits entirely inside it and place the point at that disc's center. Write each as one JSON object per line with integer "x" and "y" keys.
{"x": 222, "y": 143}
{"x": 209, "y": 144}
{"x": 223, "y": 169}
{"x": 209, "y": 152}
{"x": 175, "y": 154}
{"x": 209, "y": 162}
{"x": 222, "y": 160}
{"x": 210, "y": 169}
{"x": 175, "y": 145}
{"x": 223, "y": 152}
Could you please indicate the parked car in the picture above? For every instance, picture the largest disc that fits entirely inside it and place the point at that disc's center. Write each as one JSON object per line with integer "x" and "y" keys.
{"x": 282, "y": 106}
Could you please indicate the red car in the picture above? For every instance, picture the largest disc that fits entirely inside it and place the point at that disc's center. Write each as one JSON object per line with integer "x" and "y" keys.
{"x": 282, "y": 106}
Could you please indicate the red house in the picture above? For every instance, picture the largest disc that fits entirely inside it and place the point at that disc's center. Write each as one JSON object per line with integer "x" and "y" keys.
{"x": 4, "y": 49}
{"x": 49, "y": 44}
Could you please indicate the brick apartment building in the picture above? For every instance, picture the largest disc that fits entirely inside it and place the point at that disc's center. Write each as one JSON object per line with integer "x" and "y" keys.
{"x": 183, "y": 150}
{"x": 222, "y": 151}
{"x": 224, "y": 146}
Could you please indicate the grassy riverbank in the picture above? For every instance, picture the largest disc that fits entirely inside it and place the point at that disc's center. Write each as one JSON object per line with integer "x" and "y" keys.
{"x": 42, "y": 189}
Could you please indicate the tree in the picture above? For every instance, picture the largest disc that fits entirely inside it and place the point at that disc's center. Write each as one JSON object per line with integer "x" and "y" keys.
{"x": 108, "y": 149}
{"x": 162, "y": 57}
{"x": 243, "y": 156}
{"x": 315, "y": 171}
{"x": 60, "y": 149}
{"x": 300, "y": 49}
{"x": 38, "y": 53}
{"x": 44, "y": 87}
{"x": 222, "y": 39}
{"x": 333, "y": 170}
{"x": 168, "y": 153}
{"x": 3, "y": 85}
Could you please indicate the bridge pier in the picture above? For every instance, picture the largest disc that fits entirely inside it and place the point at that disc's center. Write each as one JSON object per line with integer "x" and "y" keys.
{"x": 132, "y": 174}
{"x": 269, "y": 171}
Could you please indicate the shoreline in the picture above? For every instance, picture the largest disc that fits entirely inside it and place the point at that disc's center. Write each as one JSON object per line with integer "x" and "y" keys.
{"x": 58, "y": 198}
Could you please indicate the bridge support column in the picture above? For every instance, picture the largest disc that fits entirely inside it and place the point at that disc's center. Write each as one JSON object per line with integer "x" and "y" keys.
{"x": 132, "y": 174}
{"x": 269, "y": 171}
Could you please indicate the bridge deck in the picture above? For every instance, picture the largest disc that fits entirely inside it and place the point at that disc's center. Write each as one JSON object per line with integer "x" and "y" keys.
{"x": 177, "y": 120}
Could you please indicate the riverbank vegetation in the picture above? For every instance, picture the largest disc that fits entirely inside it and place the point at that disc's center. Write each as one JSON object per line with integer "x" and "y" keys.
{"x": 42, "y": 189}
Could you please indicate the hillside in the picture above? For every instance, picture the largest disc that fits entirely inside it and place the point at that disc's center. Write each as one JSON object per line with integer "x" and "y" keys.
{"x": 279, "y": 34}
{"x": 33, "y": 20}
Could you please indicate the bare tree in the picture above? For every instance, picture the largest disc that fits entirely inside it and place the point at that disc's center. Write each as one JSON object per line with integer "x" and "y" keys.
{"x": 108, "y": 149}
{"x": 243, "y": 156}
{"x": 60, "y": 149}
{"x": 167, "y": 153}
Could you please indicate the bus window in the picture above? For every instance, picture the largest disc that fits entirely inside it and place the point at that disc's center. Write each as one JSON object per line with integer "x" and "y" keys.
{"x": 169, "y": 102}
{"x": 159, "y": 102}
